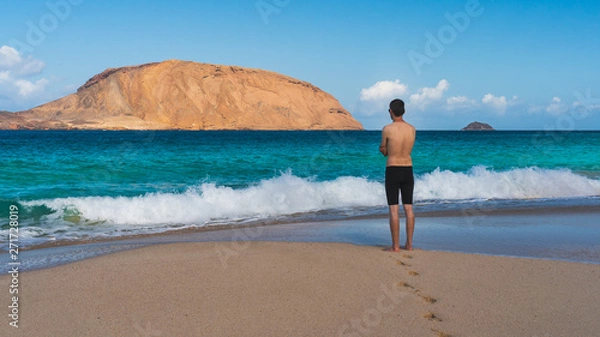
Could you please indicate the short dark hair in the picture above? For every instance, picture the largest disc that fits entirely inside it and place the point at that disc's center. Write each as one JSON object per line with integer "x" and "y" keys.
{"x": 397, "y": 107}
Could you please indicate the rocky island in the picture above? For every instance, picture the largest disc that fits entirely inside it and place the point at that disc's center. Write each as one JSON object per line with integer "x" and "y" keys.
{"x": 184, "y": 95}
{"x": 477, "y": 126}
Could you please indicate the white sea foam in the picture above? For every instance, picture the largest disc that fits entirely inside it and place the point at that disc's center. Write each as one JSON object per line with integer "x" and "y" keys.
{"x": 288, "y": 194}
{"x": 283, "y": 195}
{"x": 522, "y": 183}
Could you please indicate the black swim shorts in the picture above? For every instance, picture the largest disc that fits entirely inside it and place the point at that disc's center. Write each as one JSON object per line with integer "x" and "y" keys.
{"x": 399, "y": 179}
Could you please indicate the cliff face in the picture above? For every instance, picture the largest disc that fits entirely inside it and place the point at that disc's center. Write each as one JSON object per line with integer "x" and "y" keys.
{"x": 191, "y": 96}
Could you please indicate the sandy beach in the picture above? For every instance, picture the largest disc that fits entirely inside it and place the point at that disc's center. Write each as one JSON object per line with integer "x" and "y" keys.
{"x": 305, "y": 289}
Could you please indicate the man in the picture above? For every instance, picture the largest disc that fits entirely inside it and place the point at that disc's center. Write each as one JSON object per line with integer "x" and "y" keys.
{"x": 397, "y": 142}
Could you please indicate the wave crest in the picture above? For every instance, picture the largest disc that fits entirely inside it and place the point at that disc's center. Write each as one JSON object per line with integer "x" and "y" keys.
{"x": 288, "y": 194}
{"x": 522, "y": 183}
{"x": 283, "y": 195}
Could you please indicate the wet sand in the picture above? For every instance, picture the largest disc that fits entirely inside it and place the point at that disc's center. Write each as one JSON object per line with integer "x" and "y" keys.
{"x": 558, "y": 235}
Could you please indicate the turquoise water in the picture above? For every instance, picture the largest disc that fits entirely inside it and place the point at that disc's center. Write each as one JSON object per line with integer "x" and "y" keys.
{"x": 82, "y": 184}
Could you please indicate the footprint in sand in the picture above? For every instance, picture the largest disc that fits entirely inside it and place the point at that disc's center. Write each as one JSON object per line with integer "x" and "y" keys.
{"x": 405, "y": 285}
{"x": 426, "y": 298}
{"x": 440, "y": 333}
{"x": 402, "y": 263}
{"x": 431, "y": 316}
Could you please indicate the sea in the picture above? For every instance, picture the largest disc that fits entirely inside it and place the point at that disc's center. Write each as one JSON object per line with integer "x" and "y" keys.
{"x": 77, "y": 186}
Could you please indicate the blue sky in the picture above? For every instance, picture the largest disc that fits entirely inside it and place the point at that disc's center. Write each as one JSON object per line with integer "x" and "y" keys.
{"x": 513, "y": 64}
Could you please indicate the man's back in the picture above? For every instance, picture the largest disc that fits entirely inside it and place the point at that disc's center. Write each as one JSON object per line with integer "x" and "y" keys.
{"x": 397, "y": 142}
{"x": 399, "y": 139}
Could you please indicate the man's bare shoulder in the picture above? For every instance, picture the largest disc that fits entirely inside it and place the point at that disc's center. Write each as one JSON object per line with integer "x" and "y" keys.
{"x": 407, "y": 126}
{"x": 387, "y": 128}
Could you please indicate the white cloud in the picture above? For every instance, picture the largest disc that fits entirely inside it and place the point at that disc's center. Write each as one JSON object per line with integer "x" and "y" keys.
{"x": 377, "y": 97}
{"x": 14, "y": 70}
{"x": 535, "y": 108}
{"x": 426, "y": 96}
{"x": 9, "y": 57}
{"x": 460, "y": 102}
{"x": 515, "y": 101}
{"x": 437, "y": 101}
{"x": 4, "y": 76}
{"x": 27, "y": 88}
{"x": 498, "y": 104}
{"x": 579, "y": 105}
{"x": 383, "y": 90}
{"x": 556, "y": 106}
{"x": 11, "y": 60}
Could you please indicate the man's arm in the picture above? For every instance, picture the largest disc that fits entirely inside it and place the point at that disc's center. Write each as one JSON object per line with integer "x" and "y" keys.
{"x": 383, "y": 145}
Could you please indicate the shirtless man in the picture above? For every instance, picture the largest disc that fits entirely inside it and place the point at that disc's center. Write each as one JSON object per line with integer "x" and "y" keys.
{"x": 397, "y": 142}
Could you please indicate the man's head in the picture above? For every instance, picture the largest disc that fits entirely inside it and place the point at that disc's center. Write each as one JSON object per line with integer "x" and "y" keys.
{"x": 397, "y": 107}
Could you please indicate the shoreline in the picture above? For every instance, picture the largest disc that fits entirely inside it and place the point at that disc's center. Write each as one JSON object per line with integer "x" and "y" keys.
{"x": 274, "y": 288}
{"x": 458, "y": 210}
{"x": 563, "y": 236}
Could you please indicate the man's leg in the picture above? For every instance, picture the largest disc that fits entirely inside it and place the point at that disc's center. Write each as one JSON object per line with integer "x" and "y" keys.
{"x": 410, "y": 225}
{"x": 395, "y": 228}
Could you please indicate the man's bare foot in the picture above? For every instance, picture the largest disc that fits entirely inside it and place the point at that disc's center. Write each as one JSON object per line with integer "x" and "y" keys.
{"x": 392, "y": 249}
{"x": 408, "y": 247}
